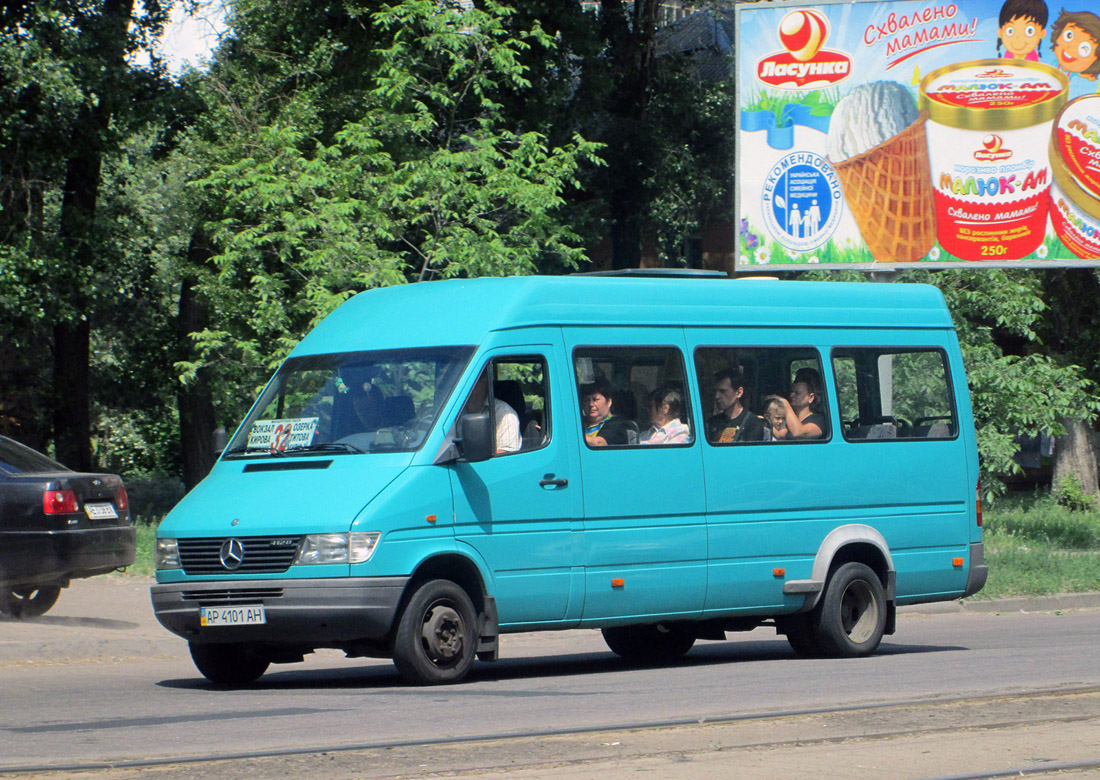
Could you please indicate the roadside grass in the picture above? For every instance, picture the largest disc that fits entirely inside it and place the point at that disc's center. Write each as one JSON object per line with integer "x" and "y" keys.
{"x": 146, "y": 541}
{"x": 1033, "y": 547}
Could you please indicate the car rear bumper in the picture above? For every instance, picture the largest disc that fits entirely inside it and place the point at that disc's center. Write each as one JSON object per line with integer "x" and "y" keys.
{"x": 38, "y": 557}
{"x": 311, "y": 613}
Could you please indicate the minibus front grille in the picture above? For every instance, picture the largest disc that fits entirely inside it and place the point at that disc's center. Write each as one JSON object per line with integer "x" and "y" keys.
{"x": 238, "y": 555}
{"x": 211, "y": 598}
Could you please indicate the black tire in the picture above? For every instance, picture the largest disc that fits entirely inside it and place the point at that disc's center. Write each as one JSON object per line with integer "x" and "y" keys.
{"x": 28, "y": 601}
{"x": 801, "y": 634}
{"x": 437, "y": 635}
{"x": 229, "y": 665}
{"x": 657, "y": 643}
{"x": 851, "y": 616}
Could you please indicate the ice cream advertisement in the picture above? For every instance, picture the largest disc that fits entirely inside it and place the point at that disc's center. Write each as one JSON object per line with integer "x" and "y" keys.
{"x": 885, "y": 134}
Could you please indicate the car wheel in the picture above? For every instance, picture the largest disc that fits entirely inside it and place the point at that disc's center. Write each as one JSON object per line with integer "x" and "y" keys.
{"x": 437, "y": 636}
{"x": 230, "y": 665}
{"x": 658, "y": 643}
{"x": 852, "y": 613}
{"x": 28, "y": 601}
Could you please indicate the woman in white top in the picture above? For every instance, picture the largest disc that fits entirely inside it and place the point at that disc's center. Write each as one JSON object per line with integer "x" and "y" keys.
{"x": 666, "y": 407}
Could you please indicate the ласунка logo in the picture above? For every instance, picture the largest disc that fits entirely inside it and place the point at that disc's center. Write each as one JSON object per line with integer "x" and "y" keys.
{"x": 992, "y": 149}
{"x": 804, "y": 64}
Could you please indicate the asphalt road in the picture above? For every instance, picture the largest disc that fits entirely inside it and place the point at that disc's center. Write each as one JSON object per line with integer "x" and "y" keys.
{"x": 97, "y": 679}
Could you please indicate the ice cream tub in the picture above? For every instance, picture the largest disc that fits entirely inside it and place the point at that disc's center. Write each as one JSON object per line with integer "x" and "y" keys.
{"x": 988, "y": 137}
{"x": 1074, "y": 205}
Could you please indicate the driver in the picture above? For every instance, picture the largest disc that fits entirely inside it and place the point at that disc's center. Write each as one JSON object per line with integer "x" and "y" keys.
{"x": 508, "y": 438}
{"x": 366, "y": 399}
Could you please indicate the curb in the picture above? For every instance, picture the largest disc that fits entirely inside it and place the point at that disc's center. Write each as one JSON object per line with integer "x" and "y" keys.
{"x": 1057, "y": 603}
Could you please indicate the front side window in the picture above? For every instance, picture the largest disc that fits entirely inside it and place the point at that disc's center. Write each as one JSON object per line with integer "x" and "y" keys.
{"x": 518, "y": 387}
{"x": 894, "y": 394}
{"x": 762, "y": 394}
{"x": 352, "y": 402}
{"x": 632, "y": 396}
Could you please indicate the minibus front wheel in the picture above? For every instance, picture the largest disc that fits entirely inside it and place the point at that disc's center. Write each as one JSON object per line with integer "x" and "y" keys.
{"x": 436, "y": 638}
{"x": 851, "y": 616}
{"x": 228, "y": 664}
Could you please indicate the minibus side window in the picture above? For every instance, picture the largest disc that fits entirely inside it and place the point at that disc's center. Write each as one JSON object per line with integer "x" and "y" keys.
{"x": 762, "y": 394}
{"x": 633, "y": 397}
{"x": 520, "y": 408}
{"x": 889, "y": 394}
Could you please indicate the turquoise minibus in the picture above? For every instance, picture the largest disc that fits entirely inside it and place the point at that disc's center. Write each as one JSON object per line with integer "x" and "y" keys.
{"x": 667, "y": 459}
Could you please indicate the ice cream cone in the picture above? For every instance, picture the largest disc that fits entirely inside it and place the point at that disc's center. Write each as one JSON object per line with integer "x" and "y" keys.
{"x": 889, "y": 191}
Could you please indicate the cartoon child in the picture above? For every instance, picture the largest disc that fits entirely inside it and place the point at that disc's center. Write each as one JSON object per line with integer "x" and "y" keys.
{"x": 1075, "y": 38}
{"x": 1021, "y": 27}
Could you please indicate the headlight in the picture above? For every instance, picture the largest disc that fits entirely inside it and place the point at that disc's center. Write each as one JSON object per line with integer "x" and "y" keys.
{"x": 167, "y": 554}
{"x": 336, "y": 548}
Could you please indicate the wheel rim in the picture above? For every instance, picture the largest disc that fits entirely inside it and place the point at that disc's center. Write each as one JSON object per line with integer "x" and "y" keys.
{"x": 443, "y": 634}
{"x": 859, "y": 612}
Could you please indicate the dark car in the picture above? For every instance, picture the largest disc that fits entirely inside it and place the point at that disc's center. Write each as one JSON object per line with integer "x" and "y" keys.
{"x": 56, "y": 525}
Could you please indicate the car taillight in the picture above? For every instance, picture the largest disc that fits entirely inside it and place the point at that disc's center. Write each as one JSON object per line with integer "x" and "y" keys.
{"x": 978, "y": 503}
{"x": 122, "y": 501}
{"x": 59, "y": 502}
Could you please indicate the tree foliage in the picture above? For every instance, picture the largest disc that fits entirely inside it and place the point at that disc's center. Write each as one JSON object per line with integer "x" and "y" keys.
{"x": 427, "y": 181}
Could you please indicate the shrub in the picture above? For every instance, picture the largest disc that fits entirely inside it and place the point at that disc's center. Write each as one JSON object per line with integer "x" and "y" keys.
{"x": 1046, "y": 520}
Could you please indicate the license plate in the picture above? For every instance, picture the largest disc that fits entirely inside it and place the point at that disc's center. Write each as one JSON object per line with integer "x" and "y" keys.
{"x": 100, "y": 512}
{"x": 245, "y": 615}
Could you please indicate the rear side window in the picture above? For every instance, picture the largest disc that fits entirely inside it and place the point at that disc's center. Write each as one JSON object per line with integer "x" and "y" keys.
{"x": 887, "y": 394}
{"x": 633, "y": 397}
{"x": 762, "y": 394}
{"x": 16, "y": 458}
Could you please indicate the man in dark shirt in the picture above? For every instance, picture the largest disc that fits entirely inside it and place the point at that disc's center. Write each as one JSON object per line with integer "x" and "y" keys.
{"x": 732, "y": 422}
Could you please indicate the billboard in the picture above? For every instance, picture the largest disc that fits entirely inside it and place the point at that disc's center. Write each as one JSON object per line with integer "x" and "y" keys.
{"x": 918, "y": 133}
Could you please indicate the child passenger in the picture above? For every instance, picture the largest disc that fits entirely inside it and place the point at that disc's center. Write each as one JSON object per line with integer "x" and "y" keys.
{"x": 776, "y": 415}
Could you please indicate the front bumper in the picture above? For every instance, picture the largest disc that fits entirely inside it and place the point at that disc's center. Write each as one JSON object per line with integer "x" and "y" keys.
{"x": 309, "y": 612}
{"x": 40, "y": 557}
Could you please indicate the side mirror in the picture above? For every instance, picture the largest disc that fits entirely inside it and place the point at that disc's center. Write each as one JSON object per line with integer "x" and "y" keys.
{"x": 475, "y": 441}
{"x": 218, "y": 440}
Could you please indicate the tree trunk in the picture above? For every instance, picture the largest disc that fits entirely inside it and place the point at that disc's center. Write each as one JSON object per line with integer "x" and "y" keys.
{"x": 195, "y": 400}
{"x": 1075, "y": 456}
{"x": 72, "y": 405}
{"x": 632, "y": 46}
{"x": 72, "y": 349}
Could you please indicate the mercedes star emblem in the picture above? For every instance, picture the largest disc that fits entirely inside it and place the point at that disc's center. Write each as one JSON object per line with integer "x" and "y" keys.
{"x": 232, "y": 553}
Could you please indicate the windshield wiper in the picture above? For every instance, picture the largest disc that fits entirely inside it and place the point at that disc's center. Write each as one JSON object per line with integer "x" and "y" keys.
{"x": 254, "y": 451}
{"x": 328, "y": 446}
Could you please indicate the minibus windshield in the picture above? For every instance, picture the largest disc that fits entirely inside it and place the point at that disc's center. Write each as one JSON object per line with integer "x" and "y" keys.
{"x": 351, "y": 403}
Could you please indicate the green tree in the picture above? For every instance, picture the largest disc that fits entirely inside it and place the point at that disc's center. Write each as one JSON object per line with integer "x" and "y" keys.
{"x": 70, "y": 93}
{"x": 419, "y": 177}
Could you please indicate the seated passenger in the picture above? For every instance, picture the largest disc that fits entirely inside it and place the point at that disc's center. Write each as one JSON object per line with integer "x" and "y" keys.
{"x": 800, "y": 412}
{"x": 366, "y": 400}
{"x": 508, "y": 438}
{"x": 776, "y": 414}
{"x": 601, "y": 427}
{"x": 732, "y": 421}
{"x": 666, "y": 408}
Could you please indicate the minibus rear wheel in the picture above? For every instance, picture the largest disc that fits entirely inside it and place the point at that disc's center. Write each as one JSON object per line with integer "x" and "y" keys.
{"x": 851, "y": 617}
{"x": 230, "y": 665}
{"x": 436, "y": 638}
